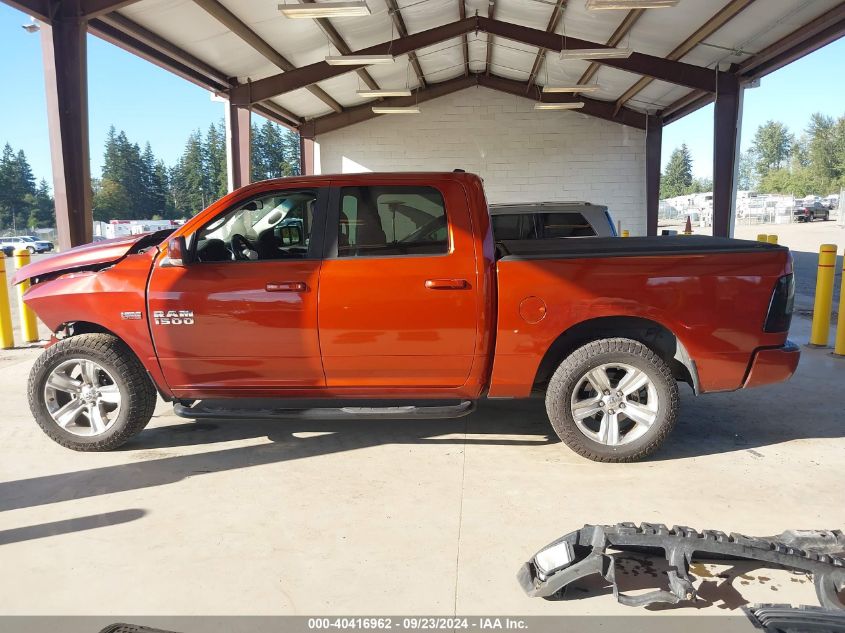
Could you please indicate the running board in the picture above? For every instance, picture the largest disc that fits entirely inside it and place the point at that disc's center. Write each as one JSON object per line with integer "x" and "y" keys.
{"x": 407, "y": 412}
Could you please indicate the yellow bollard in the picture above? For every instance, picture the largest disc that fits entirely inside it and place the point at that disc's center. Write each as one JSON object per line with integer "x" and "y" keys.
{"x": 7, "y": 339}
{"x": 626, "y": 233}
{"x": 762, "y": 237}
{"x": 839, "y": 345}
{"x": 29, "y": 326}
{"x": 824, "y": 296}
{"x": 772, "y": 239}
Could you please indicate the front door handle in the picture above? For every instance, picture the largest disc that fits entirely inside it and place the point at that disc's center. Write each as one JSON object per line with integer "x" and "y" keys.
{"x": 446, "y": 284}
{"x": 286, "y": 286}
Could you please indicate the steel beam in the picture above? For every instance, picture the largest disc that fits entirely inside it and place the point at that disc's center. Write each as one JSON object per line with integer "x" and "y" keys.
{"x": 234, "y": 24}
{"x": 653, "y": 143}
{"x": 116, "y": 36}
{"x": 551, "y": 27}
{"x": 364, "y": 112}
{"x": 722, "y": 17}
{"x": 667, "y": 70}
{"x": 358, "y": 114}
{"x": 343, "y": 48}
{"x": 825, "y": 29}
{"x": 690, "y": 102}
{"x": 238, "y": 140}
{"x": 95, "y": 8}
{"x": 491, "y": 15}
{"x": 39, "y": 9}
{"x": 726, "y": 133}
{"x": 278, "y": 114}
{"x": 319, "y": 71}
{"x": 621, "y": 31}
{"x": 671, "y": 71}
{"x": 65, "y": 53}
{"x": 399, "y": 23}
{"x": 592, "y": 107}
{"x": 306, "y": 156}
{"x": 462, "y": 14}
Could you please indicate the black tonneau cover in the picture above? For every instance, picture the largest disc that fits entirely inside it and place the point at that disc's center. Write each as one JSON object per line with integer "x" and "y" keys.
{"x": 578, "y": 248}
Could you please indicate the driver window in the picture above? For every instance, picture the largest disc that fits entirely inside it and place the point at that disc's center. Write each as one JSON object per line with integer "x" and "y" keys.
{"x": 271, "y": 226}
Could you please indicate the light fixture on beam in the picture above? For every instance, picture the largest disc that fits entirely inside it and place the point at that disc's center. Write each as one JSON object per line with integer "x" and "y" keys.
{"x": 572, "y": 105}
{"x": 601, "y": 5}
{"x": 595, "y": 53}
{"x": 358, "y": 60}
{"x": 387, "y": 92}
{"x": 571, "y": 89}
{"x": 355, "y": 8}
{"x": 396, "y": 110}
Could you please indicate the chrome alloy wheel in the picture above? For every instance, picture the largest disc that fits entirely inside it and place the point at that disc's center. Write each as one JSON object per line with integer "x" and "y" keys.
{"x": 614, "y": 404}
{"x": 82, "y": 397}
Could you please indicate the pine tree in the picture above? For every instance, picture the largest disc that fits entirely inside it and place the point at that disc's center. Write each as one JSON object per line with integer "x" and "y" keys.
{"x": 771, "y": 145}
{"x": 677, "y": 180}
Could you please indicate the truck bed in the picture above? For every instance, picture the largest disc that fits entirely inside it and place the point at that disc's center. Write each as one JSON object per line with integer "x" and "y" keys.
{"x": 579, "y": 248}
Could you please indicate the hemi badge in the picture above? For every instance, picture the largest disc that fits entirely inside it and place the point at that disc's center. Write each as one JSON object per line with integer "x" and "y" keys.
{"x": 131, "y": 316}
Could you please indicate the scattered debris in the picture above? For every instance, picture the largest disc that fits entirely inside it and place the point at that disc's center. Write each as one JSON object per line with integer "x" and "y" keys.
{"x": 584, "y": 553}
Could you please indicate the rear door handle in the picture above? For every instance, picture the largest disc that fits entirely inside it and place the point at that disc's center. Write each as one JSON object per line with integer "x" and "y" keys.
{"x": 446, "y": 284}
{"x": 286, "y": 286}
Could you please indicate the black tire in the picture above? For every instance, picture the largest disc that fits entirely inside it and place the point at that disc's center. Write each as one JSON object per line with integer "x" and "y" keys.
{"x": 137, "y": 392}
{"x": 826, "y": 216}
{"x": 570, "y": 374}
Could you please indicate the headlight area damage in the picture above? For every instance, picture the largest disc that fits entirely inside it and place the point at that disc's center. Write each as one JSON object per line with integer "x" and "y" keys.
{"x": 584, "y": 553}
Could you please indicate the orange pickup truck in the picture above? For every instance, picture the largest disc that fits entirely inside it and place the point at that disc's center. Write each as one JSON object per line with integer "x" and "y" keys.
{"x": 386, "y": 295}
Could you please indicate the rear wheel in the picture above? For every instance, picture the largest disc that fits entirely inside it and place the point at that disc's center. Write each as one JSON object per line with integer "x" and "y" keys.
{"x": 826, "y": 216}
{"x": 31, "y": 250}
{"x": 613, "y": 400}
{"x": 90, "y": 393}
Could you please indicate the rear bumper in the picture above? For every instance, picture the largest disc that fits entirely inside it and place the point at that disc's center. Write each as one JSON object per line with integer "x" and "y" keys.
{"x": 770, "y": 366}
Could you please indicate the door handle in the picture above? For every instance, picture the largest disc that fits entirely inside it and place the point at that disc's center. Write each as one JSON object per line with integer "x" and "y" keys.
{"x": 446, "y": 284}
{"x": 286, "y": 286}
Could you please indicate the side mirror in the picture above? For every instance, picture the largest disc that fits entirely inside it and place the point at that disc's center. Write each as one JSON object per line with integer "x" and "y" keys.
{"x": 178, "y": 253}
{"x": 291, "y": 235}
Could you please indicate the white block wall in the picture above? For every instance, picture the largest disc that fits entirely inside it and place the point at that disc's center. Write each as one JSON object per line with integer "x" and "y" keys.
{"x": 523, "y": 155}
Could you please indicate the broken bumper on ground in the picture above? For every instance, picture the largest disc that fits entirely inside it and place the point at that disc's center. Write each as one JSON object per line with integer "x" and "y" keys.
{"x": 584, "y": 553}
{"x": 774, "y": 365}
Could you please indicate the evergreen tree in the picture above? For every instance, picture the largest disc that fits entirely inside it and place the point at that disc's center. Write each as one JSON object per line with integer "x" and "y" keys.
{"x": 771, "y": 145}
{"x": 677, "y": 179}
{"x": 43, "y": 211}
{"x": 215, "y": 156}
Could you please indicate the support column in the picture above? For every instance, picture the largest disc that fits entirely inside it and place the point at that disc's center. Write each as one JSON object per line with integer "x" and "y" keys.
{"x": 306, "y": 156}
{"x": 238, "y": 143}
{"x": 726, "y": 135}
{"x": 653, "y": 143}
{"x": 65, "y": 55}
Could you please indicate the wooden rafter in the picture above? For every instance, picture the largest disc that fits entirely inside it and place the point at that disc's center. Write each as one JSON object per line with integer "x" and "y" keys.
{"x": 399, "y": 22}
{"x": 621, "y": 31}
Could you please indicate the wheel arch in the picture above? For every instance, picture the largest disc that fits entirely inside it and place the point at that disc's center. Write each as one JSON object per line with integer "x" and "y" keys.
{"x": 656, "y": 336}
{"x": 76, "y": 327}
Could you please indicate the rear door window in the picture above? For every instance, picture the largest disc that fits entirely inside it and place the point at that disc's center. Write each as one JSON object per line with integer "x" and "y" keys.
{"x": 382, "y": 221}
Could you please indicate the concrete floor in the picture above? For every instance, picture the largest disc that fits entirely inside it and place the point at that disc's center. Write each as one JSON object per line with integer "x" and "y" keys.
{"x": 430, "y": 517}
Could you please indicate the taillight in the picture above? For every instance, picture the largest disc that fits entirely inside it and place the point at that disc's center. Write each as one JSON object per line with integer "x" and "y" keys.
{"x": 780, "y": 308}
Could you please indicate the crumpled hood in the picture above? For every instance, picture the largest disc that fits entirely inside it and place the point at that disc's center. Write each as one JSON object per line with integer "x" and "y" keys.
{"x": 88, "y": 255}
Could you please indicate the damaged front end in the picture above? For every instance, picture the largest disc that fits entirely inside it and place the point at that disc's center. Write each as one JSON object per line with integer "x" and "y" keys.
{"x": 585, "y": 552}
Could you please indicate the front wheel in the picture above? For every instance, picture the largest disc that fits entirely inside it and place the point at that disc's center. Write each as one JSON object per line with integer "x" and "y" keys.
{"x": 613, "y": 400}
{"x": 90, "y": 393}
{"x": 31, "y": 250}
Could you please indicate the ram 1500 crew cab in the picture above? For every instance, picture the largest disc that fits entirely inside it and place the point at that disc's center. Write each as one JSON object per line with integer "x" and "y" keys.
{"x": 386, "y": 295}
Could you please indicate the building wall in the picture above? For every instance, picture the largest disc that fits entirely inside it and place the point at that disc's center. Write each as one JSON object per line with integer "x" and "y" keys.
{"x": 523, "y": 155}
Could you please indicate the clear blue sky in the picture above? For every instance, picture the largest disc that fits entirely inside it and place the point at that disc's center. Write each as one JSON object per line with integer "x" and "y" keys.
{"x": 153, "y": 105}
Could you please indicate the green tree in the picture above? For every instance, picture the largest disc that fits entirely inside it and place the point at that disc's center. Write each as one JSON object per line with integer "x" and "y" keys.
{"x": 771, "y": 145}
{"x": 676, "y": 180}
{"x": 746, "y": 176}
{"x": 43, "y": 211}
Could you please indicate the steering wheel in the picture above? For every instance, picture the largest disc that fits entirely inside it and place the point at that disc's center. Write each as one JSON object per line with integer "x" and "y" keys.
{"x": 239, "y": 245}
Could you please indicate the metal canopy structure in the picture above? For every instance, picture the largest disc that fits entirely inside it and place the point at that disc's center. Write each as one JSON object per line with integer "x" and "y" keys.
{"x": 700, "y": 51}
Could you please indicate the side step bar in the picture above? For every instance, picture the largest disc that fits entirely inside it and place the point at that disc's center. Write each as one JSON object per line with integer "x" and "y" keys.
{"x": 215, "y": 409}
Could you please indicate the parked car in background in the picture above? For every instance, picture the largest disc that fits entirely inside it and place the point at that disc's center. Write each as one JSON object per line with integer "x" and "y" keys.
{"x": 8, "y": 250}
{"x": 809, "y": 211}
{"x": 32, "y": 244}
{"x": 550, "y": 220}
